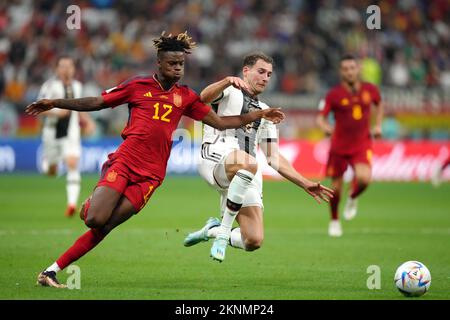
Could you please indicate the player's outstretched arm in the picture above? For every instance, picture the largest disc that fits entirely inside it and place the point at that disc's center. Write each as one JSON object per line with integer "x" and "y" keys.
{"x": 214, "y": 90}
{"x": 80, "y": 104}
{"x": 285, "y": 169}
{"x": 232, "y": 122}
{"x": 377, "y": 132}
{"x": 324, "y": 125}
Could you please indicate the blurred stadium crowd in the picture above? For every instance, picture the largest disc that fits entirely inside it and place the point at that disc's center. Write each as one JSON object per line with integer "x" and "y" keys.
{"x": 306, "y": 39}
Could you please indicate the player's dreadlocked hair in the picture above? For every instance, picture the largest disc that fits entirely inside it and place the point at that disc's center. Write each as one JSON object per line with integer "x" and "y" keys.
{"x": 181, "y": 42}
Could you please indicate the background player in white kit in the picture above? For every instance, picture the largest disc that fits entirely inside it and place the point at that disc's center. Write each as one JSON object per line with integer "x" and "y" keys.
{"x": 228, "y": 161}
{"x": 61, "y": 130}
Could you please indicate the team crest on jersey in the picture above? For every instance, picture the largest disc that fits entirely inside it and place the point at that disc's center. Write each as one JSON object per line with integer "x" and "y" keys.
{"x": 366, "y": 98}
{"x": 253, "y": 125}
{"x": 177, "y": 100}
{"x": 344, "y": 102}
{"x": 248, "y": 127}
{"x": 164, "y": 97}
{"x": 112, "y": 176}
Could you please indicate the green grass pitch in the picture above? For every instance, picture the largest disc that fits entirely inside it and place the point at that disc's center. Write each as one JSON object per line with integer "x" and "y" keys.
{"x": 145, "y": 257}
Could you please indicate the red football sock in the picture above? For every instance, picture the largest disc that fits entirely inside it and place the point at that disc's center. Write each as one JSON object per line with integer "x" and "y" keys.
{"x": 446, "y": 163}
{"x": 357, "y": 189}
{"x": 334, "y": 204}
{"x": 83, "y": 245}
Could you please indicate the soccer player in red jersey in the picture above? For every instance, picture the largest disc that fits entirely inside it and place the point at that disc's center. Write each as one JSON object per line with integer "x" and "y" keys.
{"x": 133, "y": 172}
{"x": 351, "y": 138}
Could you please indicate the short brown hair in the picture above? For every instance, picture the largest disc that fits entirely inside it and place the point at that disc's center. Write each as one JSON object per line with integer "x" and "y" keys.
{"x": 252, "y": 58}
{"x": 347, "y": 56}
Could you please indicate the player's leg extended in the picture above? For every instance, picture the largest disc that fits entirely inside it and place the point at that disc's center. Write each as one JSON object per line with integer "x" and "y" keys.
{"x": 363, "y": 173}
{"x": 361, "y": 181}
{"x": 122, "y": 212}
{"x": 101, "y": 205}
{"x": 73, "y": 181}
{"x": 240, "y": 169}
{"x": 211, "y": 227}
{"x": 336, "y": 166}
{"x": 51, "y": 156}
{"x": 250, "y": 234}
{"x": 334, "y": 228}
{"x": 209, "y": 230}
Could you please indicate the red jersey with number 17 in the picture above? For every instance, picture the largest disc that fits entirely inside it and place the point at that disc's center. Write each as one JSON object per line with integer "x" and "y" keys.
{"x": 154, "y": 114}
{"x": 352, "y": 117}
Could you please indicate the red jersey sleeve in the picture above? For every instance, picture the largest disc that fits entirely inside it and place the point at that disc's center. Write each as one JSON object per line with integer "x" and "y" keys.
{"x": 325, "y": 105}
{"x": 117, "y": 95}
{"x": 196, "y": 110}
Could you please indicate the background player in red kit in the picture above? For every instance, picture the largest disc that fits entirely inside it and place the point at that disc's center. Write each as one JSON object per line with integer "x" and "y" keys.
{"x": 437, "y": 174}
{"x": 134, "y": 171}
{"x": 351, "y": 139}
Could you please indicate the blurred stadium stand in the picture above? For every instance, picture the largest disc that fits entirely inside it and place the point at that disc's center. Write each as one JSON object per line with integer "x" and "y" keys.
{"x": 408, "y": 57}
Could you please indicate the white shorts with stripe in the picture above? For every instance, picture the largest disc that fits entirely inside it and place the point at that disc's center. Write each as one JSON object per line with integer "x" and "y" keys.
{"x": 212, "y": 169}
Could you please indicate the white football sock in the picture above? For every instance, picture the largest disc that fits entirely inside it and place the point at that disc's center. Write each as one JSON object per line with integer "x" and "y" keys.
{"x": 53, "y": 267}
{"x": 236, "y": 239}
{"x": 236, "y": 194}
{"x": 212, "y": 232}
{"x": 73, "y": 187}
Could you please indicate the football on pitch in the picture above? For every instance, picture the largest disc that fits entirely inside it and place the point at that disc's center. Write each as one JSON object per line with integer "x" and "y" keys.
{"x": 412, "y": 279}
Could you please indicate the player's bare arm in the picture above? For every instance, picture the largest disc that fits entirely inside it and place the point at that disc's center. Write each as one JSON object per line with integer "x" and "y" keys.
{"x": 278, "y": 162}
{"x": 379, "y": 113}
{"x": 231, "y": 122}
{"x": 324, "y": 125}
{"x": 80, "y": 104}
{"x": 214, "y": 90}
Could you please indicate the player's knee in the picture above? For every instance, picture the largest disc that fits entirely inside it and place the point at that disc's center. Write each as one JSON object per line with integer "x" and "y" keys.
{"x": 337, "y": 186}
{"x": 72, "y": 163}
{"x": 253, "y": 243}
{"x": 93, "y": 221}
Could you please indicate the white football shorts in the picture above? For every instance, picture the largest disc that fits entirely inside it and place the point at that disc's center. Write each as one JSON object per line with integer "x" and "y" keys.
{"x": 211, "y": 168}
{"x": 55, "y": 150}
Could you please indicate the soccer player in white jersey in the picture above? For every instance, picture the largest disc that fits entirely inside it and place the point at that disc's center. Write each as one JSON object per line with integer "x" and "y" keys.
{"x": 228, "y": 161}
{"x": 61, "y": 129}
